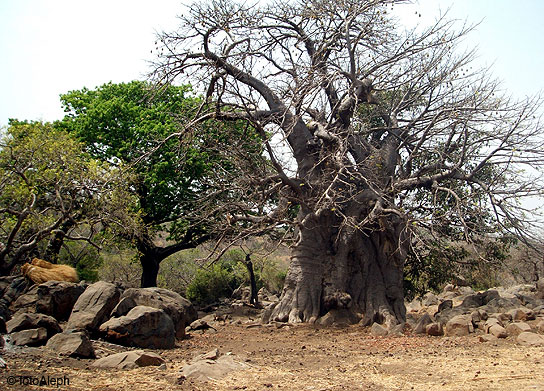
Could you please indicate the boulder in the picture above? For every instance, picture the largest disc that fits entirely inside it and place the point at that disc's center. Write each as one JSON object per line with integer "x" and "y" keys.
{"x": 540, "y": 326}
{"x": 530, "y": 339}
{"x": 517, "y": 328}
{"x": 422, "y": 323}
{"x": 144, "y": 327}
{"x": 30, "y": 337}
{"x": 489, "y": 323}
{"x": 338, "y": 317}
{"x": 539, "y": 294}
{"x": 445, "y": 305}
{"x": 129, "y": 360}
{"x": 430, "y": 299}
{"x": 10, "y": 294}
{"x": 94, "y": 306}
{"x": 211, "y": 366}
{"x": 72, "y": 343}
{"x": 522, "y": 314}
{"x": 487, "y": 338}
{"x": 459, "y": 325}
{"x": 435, "y": 329}
{"x": 55, "y": 298}
{"x": 378, "y": 330}
{"x": 502, "y": 304}
{"x": 180, "y": 310}
{"x": 498, "y": 331}
{"x": 33, "y": 321}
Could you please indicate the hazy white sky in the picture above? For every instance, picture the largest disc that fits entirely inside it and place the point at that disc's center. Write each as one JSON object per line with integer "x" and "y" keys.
{"x": 49, "y": 47}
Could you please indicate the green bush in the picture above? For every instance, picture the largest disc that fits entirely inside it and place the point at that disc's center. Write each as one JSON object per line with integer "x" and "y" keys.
{"x": 213, "y": 283}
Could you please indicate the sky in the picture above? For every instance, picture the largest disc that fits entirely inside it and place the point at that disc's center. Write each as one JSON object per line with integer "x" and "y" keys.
{"x": 50, "y": 47}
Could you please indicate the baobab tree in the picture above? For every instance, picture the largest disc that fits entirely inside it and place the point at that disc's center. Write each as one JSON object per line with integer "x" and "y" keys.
{"x": 376, "y": 134}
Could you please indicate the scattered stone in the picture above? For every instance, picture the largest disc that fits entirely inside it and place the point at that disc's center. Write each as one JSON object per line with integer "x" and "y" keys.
{"x": 144, "y": 327}
{"x": 445, "y": 305}
{"x": 378, "y": 330}
{"x": 33, "y": 321}
{"x": 518, "y": 314}
{"x": 203, "y": 369}
{"x": 435, "y": 329}
{"x": 539, "y": 294}
{"x": 530, "y": 339}
{"x": 94, "y": 306}
{"x": 459, "y": 325}
{"x": 517, "y": 328}
{"x": 179, "y": 309}
{"x": 504, "y": 318}
{"x": 487, "y": 338}
{"x": 199, "y": 324}
{"x": 430, "y": 299}
{"x": 338, "y": 317}
{"x": 449, "y": 288}
{"x": 491, "y": 322}
{"x": 422, "y": 324}
{"x": 31, "y": 337}
{"x": 129, "y": 360}
{"x": 73, "y": 344}
{"x": 498, "y": 331}
{"x": 540, "y": 326}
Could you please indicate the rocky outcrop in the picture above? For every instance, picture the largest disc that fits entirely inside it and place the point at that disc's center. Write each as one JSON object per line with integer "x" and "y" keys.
{"x": 72, "y": 344}
{"x": 179, "y": 309}
{"x": 54, "y": 298}
{"x": 144, "y": 327}
{"x": 94, "y": 306}
{"x": 33, "y": 321}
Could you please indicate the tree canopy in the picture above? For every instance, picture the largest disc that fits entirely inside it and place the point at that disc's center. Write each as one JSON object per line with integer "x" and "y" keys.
{"x": 50, "y": 188}
{"x": 133, "y": 124}
{"x": 392, "y": 138}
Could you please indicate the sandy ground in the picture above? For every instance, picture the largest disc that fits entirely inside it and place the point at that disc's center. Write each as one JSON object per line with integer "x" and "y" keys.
{"x": 302, "y": 358}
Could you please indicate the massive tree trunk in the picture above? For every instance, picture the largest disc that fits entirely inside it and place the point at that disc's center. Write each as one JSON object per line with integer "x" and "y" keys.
{"x": 340, "y": 267}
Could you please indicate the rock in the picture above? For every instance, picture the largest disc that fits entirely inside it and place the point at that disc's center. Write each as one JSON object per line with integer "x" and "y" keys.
{"x": 449, "y": 288}
{"x": 123, "y": 307}
{"x": 434, "y": 329}
{"x": 472, "y": 301}
{"x": 539, "y": 294}
{"x": 504, "y": 318}
{"x": 144, "y": 327}
{"x": 378, "y": 330}
{"x": 129, "y": 360}
{"x": 487, "y": 338}
{"x": 243, "y": 293}
{"x": 475, "y": 317}
{"x": 517, "y": 328}
{"x": 211, "y": 369}
{"x": 530, "y": 339}
{"x": 33, "y": 321}
{"x": 498, "y": 331}
{"x": 491, "y": 322}
{"x": 57, "y": 298}
{"x": 459, "y": 325}
{"x": 502, "y": 304}
{"x": 421, "y": 325}
{"x": 430, "y": 299}
{"x": 180, "y": 310}
{"x": 540, "y": 326}
{"x": 94, "y": 306}
{"x": 444, "y": 316}
{"x": 12, "y": 290}
{"x": 198, "y": 324}
{"x": 30, "y": 337}
{"x": 338, "y": 317}
{"x": 73, "y": 344}
{"x": 445, "y": 305}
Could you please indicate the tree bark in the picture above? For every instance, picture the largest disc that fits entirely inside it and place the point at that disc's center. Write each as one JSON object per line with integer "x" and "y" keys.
{"x": 338, "y": 267}
{"x": 254, "y": 299}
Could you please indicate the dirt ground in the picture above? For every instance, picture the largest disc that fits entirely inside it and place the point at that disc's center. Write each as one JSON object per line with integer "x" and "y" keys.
{"x": 303, "y": 358}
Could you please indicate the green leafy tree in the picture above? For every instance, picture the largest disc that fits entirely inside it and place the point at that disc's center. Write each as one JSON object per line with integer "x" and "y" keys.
{"x": 50, "y": 190}
{"x": 132, "y": 124}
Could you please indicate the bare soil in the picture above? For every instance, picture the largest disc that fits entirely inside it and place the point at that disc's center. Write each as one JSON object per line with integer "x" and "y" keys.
{"x": 302, "y": 358}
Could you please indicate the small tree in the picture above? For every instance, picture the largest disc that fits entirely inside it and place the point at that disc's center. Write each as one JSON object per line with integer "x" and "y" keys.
{"x": 51, "y": 191}
{"x": 388, "y": 137}
{"x": 132, "y": 124}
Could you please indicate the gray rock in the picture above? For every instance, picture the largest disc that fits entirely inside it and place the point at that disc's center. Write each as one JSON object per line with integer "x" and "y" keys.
{"x": 421, "y": 325}
{"x": 33, "y": 321}
{"x": 211, "y": 369}
{"x": 30, "y": 337}
{"x": 517, "y": 328}
{"x": 539, "y": 294}
{"x": 430, "y": 299}
{"x": 502, "y": 304}
{"x": 338, "y": 317}
{"x": 530, "y": 339}
{"x": 129, "y": 360}
{"x": 434, "y": 329}
{"x": 445, "y": 305}
{"x": 498, "y": 331}
{"x": 378, "y": 330}
{"x": 94, "y": 306}
{"x": 459, "y": 325}
{"x": 123, "y": 307}
{"x": 522, "y": 314}
{"x": 180, "y": 310}
{"x": 144, "y": 327}
{"x": 73, "y": 344}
